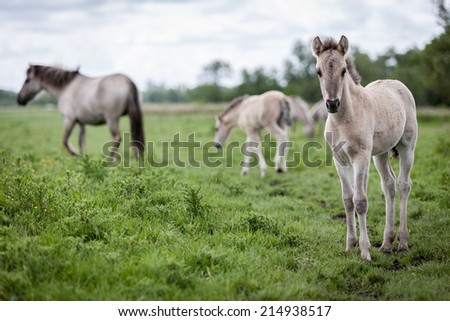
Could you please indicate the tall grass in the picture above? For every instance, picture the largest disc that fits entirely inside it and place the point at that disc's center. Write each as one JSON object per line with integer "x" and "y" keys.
{"x": 73, "y": 229}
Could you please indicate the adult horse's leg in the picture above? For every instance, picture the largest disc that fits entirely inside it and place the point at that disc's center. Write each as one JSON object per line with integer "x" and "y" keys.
{"x": 388, "y": 185}
{"x": 346, "y": 175}
{"x": 69, "y": 123}
{"x": 113, "y": 125}
{"x": 81, "y": 138}
{"x": 361, "y": 165}
{"x": 404, "y": 187}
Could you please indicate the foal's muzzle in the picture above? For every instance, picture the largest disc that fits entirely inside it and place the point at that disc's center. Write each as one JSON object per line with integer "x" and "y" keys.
{"x": 333, "y": 105}
{"x": 218, "y": 145}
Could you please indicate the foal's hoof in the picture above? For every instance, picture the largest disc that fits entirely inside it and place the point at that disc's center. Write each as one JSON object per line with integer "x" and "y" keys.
{"x": 385, "y": 250}
{"x": 402, "y": 248}
{"x": 280, "y": 170}
{"x": 366, "y": 256}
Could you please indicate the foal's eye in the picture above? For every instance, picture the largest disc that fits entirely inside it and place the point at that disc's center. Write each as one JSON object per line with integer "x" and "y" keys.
{"x": 27, "y": 80}
{"x": 343, "y": 72}
{"x": 319, "y": 73}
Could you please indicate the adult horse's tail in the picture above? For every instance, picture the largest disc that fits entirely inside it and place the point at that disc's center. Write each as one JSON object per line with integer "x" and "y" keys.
{"x": 136, "y": 123}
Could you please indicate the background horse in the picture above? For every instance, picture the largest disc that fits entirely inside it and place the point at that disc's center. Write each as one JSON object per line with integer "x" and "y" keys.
{"x": 83, "y": 100}
{"x": 364, "y": 122}
{"x": 252, "y": 113}
{"x": 318, "y": 112}
{"x": 300, "y": 112}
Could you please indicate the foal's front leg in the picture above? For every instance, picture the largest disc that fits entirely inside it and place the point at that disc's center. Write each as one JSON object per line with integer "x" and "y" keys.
{"x": 361, "y": 165}
{"x": 345, "y": 172}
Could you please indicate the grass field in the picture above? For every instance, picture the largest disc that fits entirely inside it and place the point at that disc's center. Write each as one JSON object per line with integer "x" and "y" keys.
{"x": 73, "y": 229}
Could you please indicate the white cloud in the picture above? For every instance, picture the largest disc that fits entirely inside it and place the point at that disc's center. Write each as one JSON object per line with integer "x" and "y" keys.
{"x": 170, "y": 41}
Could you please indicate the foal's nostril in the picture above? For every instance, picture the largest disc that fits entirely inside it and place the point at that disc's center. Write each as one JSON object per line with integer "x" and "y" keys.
{"x": 333, "y": 105}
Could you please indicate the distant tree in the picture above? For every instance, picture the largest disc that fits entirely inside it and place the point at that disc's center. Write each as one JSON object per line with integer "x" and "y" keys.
{"x": 369, "y": 69}
{"x": 215, "y": 71}
{"x": 436, "y": 64}
{"x": 442, "y": 13}
{"x": 160, "y": 93}
{"x": 7, "y": 98}
{"x": 300, "y": 74}
{"x": 257, "y": 82}
{"x": 409, "y": 69}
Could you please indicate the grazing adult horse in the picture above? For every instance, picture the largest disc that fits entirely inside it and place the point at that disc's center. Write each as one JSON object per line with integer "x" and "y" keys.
{"x": 318, "y": 112}
{"x": 300, "y": 111}
{"x": 252, "y": 113}
{"x": 83, "y": 100}
{"x": 365, "y": 122}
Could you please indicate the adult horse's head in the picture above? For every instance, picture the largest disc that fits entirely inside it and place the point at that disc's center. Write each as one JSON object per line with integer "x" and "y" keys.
{"x": 331, "y": 69}
{"x": 31, "y": 87}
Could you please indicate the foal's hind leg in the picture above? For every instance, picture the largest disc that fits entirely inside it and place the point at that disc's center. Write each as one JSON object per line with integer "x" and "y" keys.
{"x": 282, "y": 147}
{"x": 404, "y": 188}
{"x": 388, "y": 185}
{"x": 253, "y": 145}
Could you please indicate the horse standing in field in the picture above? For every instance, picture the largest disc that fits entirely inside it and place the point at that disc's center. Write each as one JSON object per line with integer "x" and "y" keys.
{"x": 83, "y": 100}
{"x": 365, "y": 122}
{"x": 252, "y": 113}
{"x": 300, "y": 111}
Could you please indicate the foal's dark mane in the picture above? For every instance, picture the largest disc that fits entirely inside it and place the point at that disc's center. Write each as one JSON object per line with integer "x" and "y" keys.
{"x": 235, "y": 102}
{"x": 332, "y": 44}
{"x": 54, "y": 76}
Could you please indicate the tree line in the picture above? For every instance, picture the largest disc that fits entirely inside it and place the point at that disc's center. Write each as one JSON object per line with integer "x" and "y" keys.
{"x": 424, "y": 71}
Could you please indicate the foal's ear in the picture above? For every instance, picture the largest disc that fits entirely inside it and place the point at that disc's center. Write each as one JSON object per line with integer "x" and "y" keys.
{"x": 317, "y": 47}
{"x": 343, "y": 45}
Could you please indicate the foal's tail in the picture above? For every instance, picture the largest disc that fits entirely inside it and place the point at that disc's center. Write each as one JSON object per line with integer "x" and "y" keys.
{"x": 285, "y": 114}
{"x": 136, "y": 124}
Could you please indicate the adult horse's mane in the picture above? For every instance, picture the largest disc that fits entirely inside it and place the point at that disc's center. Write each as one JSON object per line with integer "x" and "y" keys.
{"x": 235, "y": 102}
{"x": 332, "y": 44}
{"x": 54, "y": 76}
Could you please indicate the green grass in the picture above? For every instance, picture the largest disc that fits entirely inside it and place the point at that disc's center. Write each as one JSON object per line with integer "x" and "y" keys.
{"x": 73, "y": 229}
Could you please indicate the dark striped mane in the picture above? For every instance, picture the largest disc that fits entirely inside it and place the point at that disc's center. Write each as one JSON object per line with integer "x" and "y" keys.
{"x": 352, "y": 70}
{"x": 54, "y": 76}
{"x": 235, "y": 102}
{"x": 332, "y": 44}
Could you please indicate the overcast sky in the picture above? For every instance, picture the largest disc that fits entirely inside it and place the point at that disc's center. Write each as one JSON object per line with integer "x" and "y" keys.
{"x": 170, "y": 41}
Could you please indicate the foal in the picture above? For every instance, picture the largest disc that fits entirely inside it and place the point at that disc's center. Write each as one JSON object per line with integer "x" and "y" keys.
{"x": 365, "y": 122}
{"x": 252, "y": 113}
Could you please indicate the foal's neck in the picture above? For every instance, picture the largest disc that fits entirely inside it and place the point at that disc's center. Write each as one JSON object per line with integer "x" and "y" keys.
{"x": 347, "y": 111}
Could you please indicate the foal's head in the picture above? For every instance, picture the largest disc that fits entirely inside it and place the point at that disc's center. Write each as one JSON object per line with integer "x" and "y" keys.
{"x": 331, "y": 69}
{"x": 223, "y": 128}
